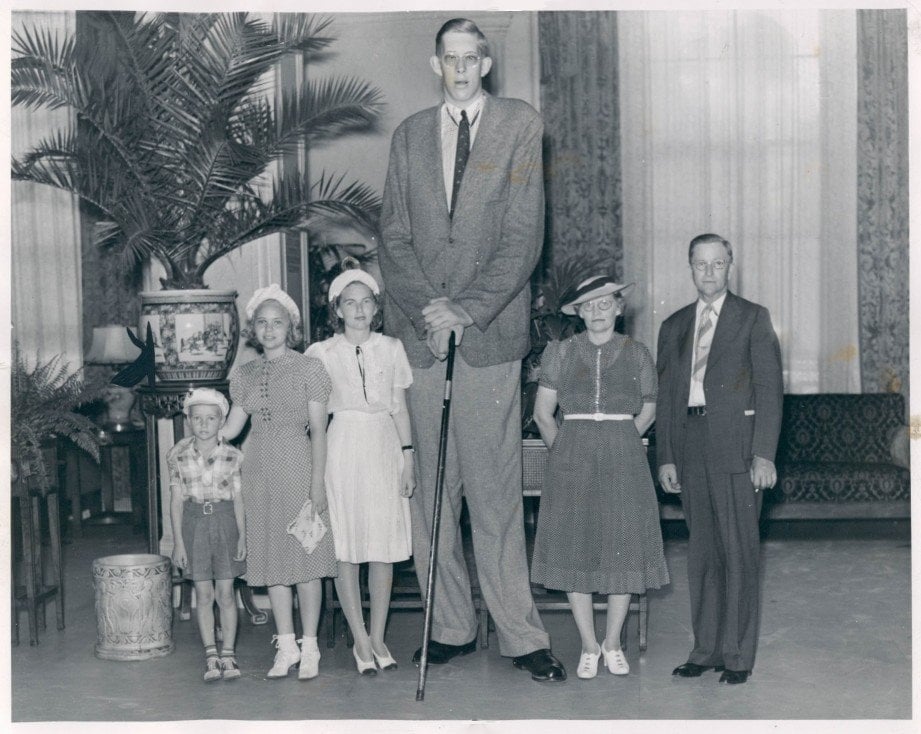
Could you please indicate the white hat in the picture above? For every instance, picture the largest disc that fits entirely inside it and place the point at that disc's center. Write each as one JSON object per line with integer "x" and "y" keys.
{"x": 597, "y": 285}
{"x": 347, "y": 277}
{"x": 205, "y": 396}
{"x": 273, "y": 293}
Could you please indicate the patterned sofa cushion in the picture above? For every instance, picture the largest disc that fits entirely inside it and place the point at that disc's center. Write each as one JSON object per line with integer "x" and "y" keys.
{"x": 836, "y": 448}
{"x": 839, "y": 427}
{"x": 808, "y": 481}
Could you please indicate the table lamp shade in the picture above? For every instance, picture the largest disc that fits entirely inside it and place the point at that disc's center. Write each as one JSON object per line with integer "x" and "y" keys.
{"x": 111, "y": 345}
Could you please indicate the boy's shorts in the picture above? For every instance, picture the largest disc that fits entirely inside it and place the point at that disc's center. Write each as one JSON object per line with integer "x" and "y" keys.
{"x": 209, "y": 532}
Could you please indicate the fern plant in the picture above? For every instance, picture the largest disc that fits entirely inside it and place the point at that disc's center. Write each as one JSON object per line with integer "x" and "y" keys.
{"x": 177, "y": 145}
{"x": 43, "y": 402}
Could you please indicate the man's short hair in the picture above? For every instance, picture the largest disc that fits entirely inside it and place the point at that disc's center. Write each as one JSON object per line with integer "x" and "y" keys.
{"x": 709, "y": 237}
{"x": 462, "y": 25}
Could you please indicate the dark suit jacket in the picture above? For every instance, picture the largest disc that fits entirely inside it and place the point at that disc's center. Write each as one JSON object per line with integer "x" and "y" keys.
{"x": 744, "y": 374}
{"x": 484, "y": 257}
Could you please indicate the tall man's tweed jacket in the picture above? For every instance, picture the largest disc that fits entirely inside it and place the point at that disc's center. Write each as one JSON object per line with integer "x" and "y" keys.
{"x": 481, "y": 259}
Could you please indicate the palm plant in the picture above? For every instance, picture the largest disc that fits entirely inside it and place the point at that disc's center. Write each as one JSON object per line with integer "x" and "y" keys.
{"x": 177, "y": 144}
{"x": 43, "y": 402}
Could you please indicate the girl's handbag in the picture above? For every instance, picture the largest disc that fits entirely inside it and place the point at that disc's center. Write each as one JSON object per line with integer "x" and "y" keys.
{"x": 308, "y": 527}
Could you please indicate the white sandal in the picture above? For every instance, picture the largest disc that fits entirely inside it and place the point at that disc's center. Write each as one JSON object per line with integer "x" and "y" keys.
{"x": 588, "y": 664}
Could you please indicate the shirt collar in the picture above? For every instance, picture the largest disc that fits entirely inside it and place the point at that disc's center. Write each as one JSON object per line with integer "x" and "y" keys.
{"x": 717, "y": 305}
{"x": 473, "y": 109}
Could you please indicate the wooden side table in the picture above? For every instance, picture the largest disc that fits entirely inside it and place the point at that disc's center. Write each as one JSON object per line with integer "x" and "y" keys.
{"x": 165, "y": 401}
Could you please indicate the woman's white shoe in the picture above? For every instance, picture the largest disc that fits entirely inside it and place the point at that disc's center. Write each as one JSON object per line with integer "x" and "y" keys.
{"x": 385, "y": 661}
{"x": 310, "y": 660}
{"x": 615, "y": 661}
{"x": 588, "y": 664}
{"x": 287, "y": 656}
{"x": 364, "y": 667}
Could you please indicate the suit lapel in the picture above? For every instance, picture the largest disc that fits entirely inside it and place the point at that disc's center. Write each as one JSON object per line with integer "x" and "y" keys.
{"x": 727, "y": 327}
{"x": 685, "y": 345}
{"x": 433, "y": 170}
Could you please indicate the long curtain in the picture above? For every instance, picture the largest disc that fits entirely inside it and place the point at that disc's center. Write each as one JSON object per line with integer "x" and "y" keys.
{"x": 579, "y": 104}
{"x": 45, "y": 236}
{"x": 882, "y": 42}
{"x": 744, "y": 123}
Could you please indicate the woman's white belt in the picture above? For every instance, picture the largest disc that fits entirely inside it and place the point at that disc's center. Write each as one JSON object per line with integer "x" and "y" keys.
{"x": 598, "y": 417}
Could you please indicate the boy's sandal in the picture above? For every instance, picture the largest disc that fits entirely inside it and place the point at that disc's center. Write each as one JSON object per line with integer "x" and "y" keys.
{"x": 229, "y": 668}
{"x": 212, "y": 669}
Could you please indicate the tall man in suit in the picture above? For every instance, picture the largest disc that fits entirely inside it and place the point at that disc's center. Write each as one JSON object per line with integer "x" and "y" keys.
{"x": 717, "y": 423}
{"x": 462, "y": 224}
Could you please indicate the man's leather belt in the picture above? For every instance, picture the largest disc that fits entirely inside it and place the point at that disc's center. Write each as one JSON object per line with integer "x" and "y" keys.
{"x": 697, "y": 410}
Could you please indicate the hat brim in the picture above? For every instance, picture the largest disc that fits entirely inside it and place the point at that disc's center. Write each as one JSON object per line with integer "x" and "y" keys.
{"x": 606, "y": 289}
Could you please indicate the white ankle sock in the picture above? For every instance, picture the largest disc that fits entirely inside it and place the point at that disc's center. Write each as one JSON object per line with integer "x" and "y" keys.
{"x": 309, "y": 643}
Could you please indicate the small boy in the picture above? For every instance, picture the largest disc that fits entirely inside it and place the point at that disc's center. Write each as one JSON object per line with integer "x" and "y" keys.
{"x": 206, "y": 509}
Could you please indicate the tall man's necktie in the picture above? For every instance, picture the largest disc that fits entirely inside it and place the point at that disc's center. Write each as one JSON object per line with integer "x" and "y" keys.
{"x": 704, "y": 340}
{"x": 460, "y": 156}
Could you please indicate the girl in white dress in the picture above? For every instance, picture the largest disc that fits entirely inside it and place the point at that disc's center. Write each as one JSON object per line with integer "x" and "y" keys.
{"x": 369, "y": 467}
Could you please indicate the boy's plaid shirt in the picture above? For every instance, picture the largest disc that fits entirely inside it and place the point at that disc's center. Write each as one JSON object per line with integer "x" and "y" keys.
{"x": 204, "y": 480}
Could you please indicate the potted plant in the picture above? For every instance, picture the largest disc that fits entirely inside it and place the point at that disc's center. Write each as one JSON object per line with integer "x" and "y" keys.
{"x": 180, "y": 151}
{"x": 43, "y": 404}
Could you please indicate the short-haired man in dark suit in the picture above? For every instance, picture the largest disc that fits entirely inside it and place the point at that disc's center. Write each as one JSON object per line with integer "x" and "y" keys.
{"x": 717, "y": 424}
{"x": 462, "y": 224}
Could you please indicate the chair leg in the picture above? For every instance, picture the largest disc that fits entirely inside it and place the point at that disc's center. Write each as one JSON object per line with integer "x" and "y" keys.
{"x": 256, "y": 615}
{"x": 54, "y": 533}
{"x": 185, "y": 601}
{"x": 644, "y": 620}
{"x": 482, "y": 627}
{"x": 329, "y": 615}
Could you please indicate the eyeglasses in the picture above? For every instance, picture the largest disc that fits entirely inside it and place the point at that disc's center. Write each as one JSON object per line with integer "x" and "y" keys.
{"x": 603, "y": 304}
{"x": 453, "y": 60}
{"x": 700, "y": 266}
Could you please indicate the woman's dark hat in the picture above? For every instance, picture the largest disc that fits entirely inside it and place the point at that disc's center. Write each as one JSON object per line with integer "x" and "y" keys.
{"x": 597, "y": 285}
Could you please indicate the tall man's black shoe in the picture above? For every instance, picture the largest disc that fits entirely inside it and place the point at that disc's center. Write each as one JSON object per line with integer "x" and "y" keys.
{"x": 440, "y": 653}
{"x": 734, "y": 676}
{"x": 542, "y": 665}
{"x": 693, "y": 670}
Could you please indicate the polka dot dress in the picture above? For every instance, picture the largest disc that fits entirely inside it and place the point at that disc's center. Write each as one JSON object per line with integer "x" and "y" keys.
{"x": 598, "y": 526}
{"x": 277, "y": 466}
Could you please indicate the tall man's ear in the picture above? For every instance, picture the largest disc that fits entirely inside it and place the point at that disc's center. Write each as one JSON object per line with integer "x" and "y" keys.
{"x": 436, "y": 65}
{"x": 485, "y": 65}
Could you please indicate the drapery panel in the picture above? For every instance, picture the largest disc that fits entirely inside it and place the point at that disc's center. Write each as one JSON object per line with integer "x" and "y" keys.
{"x": 744, "y": 123}
{"x": 882, "y": 199}
{"x": 45, "y": 235}
{"x": 579, "y": 104}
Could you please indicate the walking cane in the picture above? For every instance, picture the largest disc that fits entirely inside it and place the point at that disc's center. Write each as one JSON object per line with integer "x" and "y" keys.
{"x": 436, "y": 520}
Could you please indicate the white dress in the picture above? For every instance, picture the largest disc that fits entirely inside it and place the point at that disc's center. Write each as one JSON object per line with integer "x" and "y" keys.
{"x": 364, "y": 463}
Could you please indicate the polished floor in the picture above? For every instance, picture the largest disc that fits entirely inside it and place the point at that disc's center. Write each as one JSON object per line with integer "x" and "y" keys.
{"x": 835, "y": 644}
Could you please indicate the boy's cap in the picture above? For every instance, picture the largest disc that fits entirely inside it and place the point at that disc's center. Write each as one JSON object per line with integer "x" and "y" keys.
{"x": 205, "y": 396}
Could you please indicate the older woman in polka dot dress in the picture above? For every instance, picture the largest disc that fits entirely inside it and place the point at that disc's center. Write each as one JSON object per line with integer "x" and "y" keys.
{"x": 598, "y": 528}
{"x": 282, "y": 392}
